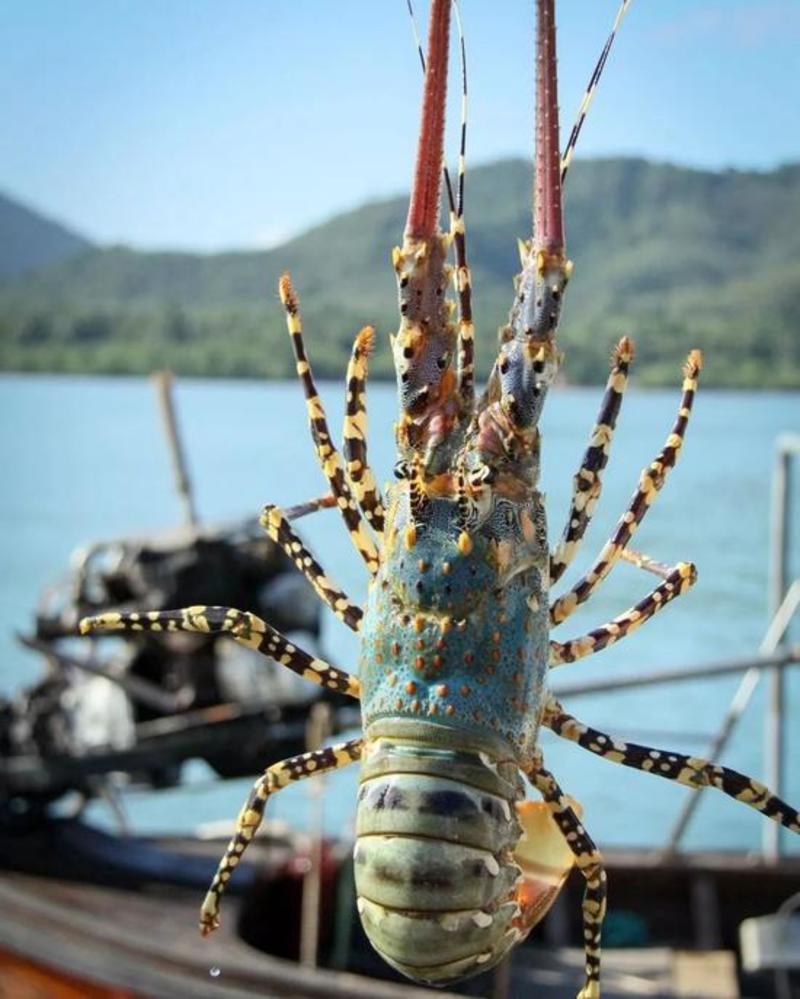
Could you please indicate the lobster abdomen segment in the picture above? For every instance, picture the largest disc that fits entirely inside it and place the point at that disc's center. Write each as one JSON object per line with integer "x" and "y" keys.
{"x": 436, "y": 948}
{"x": 434, "y": 868}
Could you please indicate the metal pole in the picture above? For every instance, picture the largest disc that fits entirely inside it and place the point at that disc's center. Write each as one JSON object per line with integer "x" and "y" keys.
{"x": 779, "y": 521}
{"x": 749, "y": 682}
{"x": 740, "y": 701}
{"x": 786, "y": 656}
{"x": 317, "y": 730}
{"x": 163, "y": 383}
{"x": 773, "y": 723}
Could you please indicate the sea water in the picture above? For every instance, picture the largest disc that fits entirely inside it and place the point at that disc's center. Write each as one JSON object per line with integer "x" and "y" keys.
{"x": 85, "y": 459}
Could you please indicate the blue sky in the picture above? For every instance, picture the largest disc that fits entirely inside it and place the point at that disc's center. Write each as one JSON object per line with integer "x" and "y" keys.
{"x": 208, "y": 124}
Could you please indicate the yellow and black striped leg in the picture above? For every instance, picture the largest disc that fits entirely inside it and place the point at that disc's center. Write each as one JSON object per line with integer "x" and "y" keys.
{"x": 587, "y": 483}
{"x": 693, "y": 771}
{"x": 590, "y": 864}
{"x": 329, "y": 458}
{"x": 277, "y": 526}
{"x": 676, "y": 583}
{"x": 274, "y": 779}
{"x": 650, "y": 482}
{"x": 359, "y": 474}
{"x": 242, "y": 626}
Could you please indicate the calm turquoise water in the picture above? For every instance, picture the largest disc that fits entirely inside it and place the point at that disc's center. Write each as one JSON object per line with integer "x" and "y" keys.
{"x": 84, "y": 458}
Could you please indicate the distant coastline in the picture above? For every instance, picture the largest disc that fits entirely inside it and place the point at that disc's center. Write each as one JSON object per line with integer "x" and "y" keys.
{"x": 673, "y": 257}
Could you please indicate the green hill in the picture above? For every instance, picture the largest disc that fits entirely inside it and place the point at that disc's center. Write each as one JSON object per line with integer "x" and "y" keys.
{"x": 29, "y": 241}
{"x": 674, "y": 257}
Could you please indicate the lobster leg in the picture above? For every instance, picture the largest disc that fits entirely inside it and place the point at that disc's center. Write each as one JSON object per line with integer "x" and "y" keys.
{"x": 243, "y": 627}
{"x": 590, "y": 864}
{"x": 329, "y": 458}
{"x": 693, "y": 771}
{"x": 359, "y": 474}
{"x": 676, "y": 583}
{"x": 275, "y": 523}
{"x": 650, "y": 482}
{"x": 587, "y": 483}
{"x": 274, "y": 779}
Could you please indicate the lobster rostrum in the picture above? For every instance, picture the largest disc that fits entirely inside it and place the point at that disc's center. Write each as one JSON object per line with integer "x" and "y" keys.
{"x": 455, "y": 637}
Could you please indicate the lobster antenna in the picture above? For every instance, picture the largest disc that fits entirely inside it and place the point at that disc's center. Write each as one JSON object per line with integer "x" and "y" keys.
{"x": 569, "y": 149}
{"x": 461, "y": 276}
{"x": 423, "y": 211}
{"x": 548, "y": 217}
{"x": 421, "y": 52}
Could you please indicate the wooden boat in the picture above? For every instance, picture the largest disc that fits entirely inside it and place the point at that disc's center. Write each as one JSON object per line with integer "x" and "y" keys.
{"x": 85, "y": 913}
{"x": 91, "y": 915}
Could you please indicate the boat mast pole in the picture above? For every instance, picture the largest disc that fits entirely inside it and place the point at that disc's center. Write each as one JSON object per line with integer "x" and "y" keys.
{"x": 163, "y": 385}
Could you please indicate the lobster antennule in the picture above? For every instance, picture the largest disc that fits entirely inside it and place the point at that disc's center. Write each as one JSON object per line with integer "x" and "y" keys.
{"x": 591, "y": 90}
{"x": 423, "y": 210}
{"x": 548, "y": 219}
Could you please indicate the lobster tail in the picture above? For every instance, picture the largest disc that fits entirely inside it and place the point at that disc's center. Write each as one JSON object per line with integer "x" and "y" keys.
{"x": 548, "y": 219}
{"x": 423, "y": 210}
{"x": 434, "y": 858}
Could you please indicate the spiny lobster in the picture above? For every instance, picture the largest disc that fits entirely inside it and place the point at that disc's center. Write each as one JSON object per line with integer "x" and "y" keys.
{"x": 455, "y": 646}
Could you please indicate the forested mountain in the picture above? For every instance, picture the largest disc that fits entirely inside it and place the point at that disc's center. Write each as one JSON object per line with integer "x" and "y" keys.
{"x": 671, "y": 256}
{"x": 29, "y": 241}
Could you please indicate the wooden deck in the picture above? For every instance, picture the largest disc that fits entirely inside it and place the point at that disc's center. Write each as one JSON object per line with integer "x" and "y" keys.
{"x": 65, "y": 940}
{"x": 84, "y": 914}
{"x": 136, "y": 944}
